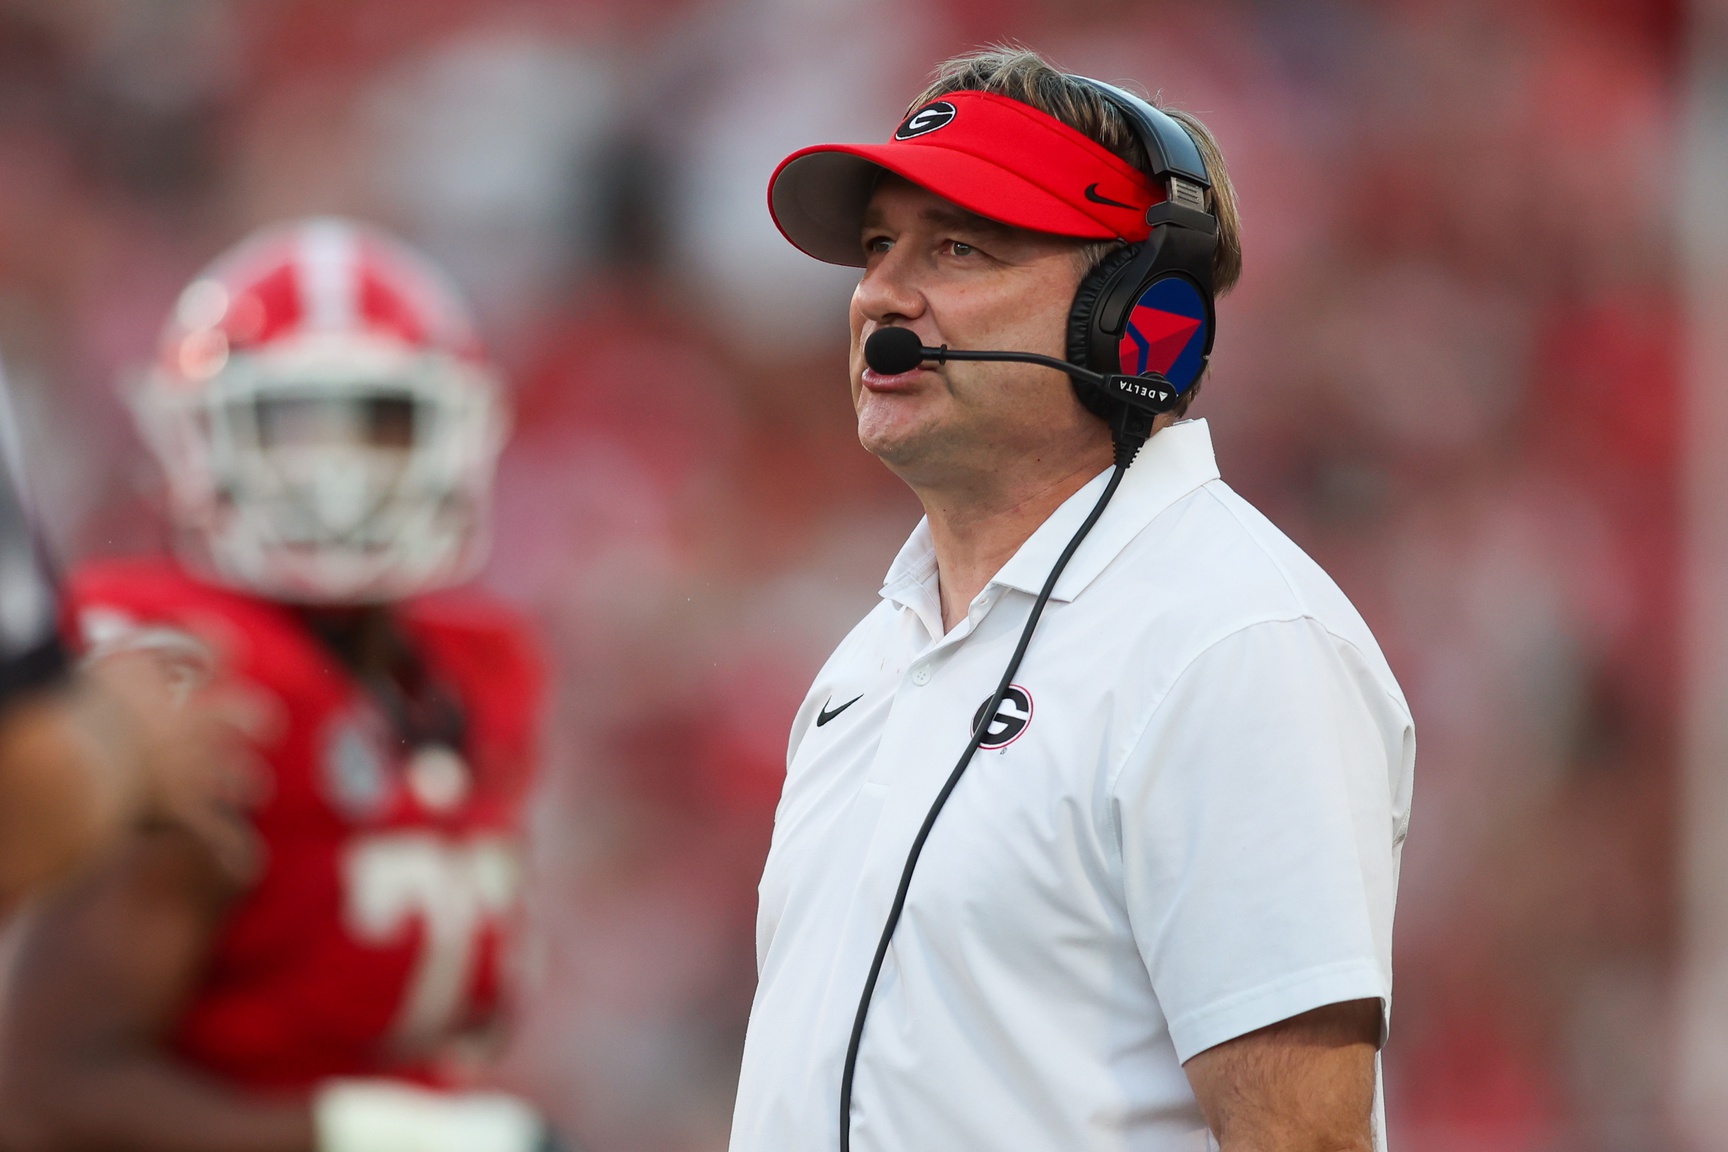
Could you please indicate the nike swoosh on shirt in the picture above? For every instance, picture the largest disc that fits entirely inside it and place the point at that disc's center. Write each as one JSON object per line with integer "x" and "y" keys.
{"x": 1092, "y": 195}
{"x": 824, "y": 715}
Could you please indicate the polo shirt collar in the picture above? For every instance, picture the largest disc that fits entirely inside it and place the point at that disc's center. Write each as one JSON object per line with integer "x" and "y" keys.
{"x": 1173, "y": 463}
{"x": 912, "y": 581}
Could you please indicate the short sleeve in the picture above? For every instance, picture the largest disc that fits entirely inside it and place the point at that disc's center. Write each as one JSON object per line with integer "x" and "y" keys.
{"x": 1259, "y": 843}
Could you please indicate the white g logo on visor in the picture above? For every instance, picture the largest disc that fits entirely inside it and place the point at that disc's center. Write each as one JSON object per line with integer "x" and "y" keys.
{"x": 926, "y": 119}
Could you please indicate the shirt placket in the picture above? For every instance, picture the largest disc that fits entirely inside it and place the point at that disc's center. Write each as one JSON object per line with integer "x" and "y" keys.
{"x": 924, "y": 735}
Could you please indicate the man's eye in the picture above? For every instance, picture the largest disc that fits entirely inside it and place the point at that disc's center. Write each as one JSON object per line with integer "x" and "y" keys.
{"x": 961, "y": 248}
{"x": 877, "y": 244}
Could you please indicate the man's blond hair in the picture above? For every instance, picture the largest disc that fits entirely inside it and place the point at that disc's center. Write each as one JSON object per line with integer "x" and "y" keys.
{"x": 1022, "y": 74}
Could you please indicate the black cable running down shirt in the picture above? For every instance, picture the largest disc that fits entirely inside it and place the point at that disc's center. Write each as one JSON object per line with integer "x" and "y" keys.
{"x": 1127, "y": 447}
{"x": 31, "y": 654}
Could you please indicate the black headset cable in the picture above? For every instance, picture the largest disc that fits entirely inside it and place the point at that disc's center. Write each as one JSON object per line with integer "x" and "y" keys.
{"x": 1128, "y": 442}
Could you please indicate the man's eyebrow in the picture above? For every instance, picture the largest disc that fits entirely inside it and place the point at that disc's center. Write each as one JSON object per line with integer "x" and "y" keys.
{"x": 959, "y": 219}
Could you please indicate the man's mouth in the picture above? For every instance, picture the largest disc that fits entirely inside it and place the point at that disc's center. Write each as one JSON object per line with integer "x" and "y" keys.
{"x": 901, "y": 382}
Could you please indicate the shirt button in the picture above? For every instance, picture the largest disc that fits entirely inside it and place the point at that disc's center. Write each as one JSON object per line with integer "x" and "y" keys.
{"x": 921, "y": 675}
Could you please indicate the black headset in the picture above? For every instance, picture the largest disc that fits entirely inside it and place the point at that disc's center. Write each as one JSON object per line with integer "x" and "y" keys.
{"x": 1170, "y": 271}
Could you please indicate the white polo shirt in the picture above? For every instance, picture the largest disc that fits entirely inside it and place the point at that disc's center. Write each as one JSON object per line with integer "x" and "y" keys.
{"x": 1186, "y": 827}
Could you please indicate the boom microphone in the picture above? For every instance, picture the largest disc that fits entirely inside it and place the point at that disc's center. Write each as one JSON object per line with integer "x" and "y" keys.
{"x": 894, "y": 350}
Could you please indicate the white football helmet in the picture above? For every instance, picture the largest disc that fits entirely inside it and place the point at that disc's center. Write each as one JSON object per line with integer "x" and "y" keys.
{"x": 326, "y": 420}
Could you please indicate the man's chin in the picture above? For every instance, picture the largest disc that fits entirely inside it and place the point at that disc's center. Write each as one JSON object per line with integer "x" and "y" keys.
{"x": 919, "y": 460}
{"x": 894, "y": 454}
{"x": 894, "y": 445}
{"x": 911, "y": 435}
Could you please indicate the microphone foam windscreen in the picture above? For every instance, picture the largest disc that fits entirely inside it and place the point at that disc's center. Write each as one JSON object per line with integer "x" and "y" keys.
{"x": 891, "y": 351}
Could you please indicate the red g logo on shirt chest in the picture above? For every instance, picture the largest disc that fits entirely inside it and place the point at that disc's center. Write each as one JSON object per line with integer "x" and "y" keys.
{"x": 1011, "y": 719}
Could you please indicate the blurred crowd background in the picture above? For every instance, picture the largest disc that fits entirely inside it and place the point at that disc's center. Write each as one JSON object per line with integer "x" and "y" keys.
{"x": 1450, "y": 373}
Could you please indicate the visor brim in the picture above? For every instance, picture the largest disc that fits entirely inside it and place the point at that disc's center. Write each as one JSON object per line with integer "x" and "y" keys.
{"x": 818, "y": 195}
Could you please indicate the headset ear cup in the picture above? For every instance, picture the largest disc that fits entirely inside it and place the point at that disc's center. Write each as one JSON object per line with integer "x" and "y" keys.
{"x": 1092, "y": 288}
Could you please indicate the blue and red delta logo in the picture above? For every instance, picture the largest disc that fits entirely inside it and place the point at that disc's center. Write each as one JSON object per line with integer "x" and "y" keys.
{"x": 1166, "y": 333}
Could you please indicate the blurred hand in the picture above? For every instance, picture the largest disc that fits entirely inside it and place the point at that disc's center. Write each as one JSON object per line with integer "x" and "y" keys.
{"x": 179, "y": 746}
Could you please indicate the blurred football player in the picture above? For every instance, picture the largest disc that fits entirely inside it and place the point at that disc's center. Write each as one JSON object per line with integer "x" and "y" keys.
{"x": 329, "y": 430}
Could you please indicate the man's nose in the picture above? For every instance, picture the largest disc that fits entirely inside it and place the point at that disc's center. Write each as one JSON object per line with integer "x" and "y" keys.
{"x": 890, "y": 290}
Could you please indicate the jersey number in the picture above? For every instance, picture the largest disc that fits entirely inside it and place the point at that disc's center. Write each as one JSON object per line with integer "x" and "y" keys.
{"x": 451, "y": 889}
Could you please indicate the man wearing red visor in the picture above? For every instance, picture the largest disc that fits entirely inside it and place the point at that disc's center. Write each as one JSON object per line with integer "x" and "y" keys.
{"x": 1151, "y": 906}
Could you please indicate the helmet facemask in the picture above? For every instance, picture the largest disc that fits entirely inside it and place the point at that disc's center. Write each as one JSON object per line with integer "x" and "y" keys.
{"x": 336, "y": 468}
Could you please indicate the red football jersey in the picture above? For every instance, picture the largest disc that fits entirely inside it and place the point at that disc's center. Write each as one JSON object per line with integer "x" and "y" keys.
{"x": 376, "y": 927}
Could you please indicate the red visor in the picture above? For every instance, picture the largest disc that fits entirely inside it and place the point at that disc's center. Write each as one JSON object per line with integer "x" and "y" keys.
{"x": 989, "y": 154}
